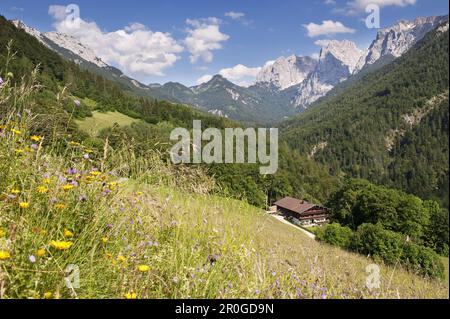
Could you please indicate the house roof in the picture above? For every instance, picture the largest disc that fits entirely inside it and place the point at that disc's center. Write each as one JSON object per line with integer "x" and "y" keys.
{"x": 294, "y": 205}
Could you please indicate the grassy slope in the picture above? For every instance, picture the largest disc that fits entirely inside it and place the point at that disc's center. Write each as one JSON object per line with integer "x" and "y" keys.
{"x": 99, "y": 121}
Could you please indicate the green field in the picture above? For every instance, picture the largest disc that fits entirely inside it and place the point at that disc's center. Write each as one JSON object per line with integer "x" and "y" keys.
{"x": 99, "y": 121}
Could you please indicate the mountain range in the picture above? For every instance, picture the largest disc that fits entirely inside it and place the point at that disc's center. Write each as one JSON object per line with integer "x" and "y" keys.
{"x": 283, "y": 88}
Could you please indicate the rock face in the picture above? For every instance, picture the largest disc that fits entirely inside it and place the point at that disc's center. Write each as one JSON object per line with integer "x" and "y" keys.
{"x": 63, "y": 44}
{"x": 337, "y": 62}
{"x": 286, "y": 72}
{"x": 399, "y": 38}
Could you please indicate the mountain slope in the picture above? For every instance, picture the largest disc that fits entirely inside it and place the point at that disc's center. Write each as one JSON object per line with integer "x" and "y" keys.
{"x": 354, "y": 131}
{"x": 398, "y": 39}
{"x": 286, "y": 72}
{"x": 337, "y": 62}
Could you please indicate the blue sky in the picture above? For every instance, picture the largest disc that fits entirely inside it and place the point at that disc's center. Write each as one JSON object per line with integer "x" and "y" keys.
{"x": 180, "y": 40}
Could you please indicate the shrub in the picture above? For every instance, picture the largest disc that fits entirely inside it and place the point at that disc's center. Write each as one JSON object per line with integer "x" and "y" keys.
{"x": 335, "y": 235}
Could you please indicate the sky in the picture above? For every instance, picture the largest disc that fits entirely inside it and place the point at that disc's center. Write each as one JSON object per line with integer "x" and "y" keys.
{"x": 189, "y": 41}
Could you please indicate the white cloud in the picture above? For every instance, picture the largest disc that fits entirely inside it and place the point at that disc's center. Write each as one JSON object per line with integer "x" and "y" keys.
{"x": 328, "y": 27}
{"x": 315, "y": 56}
{"x": 239, "y": 74}
{"x": 235, "y": 15}
{"x": 139, "y": 52}
{"x": 322, "y": 43}
{"x": 204, "y": 79}
{"x": 362, "y": 4}
{"x": 204, "y": 36}
{"x": 356, "y": 7}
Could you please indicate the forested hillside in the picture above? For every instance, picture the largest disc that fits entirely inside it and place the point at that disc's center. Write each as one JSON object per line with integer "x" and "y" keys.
{"x": 390, "y": 126}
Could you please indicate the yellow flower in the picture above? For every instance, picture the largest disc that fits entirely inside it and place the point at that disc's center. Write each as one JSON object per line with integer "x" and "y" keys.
{"x": 108, "y": 255}
{"x": 130, "y": 295}
{"x": 143, "y": 268}
{"x": 24, "y": 205}
{"x": 96, "y": 173}
{"x": 68, "y": 233}
{"x": 74, "y": 143}
{"x": 47, "y": 181}
{"x": 61, "y": 245}
{"x": 89, "y": 151}
{"x": 2, "y": 233}
{"x": 4, "y": 255}
{"x": 42, "y": 190}
{"x": 19, "y": 151}
{"x": 36, "y": 138}
{"x": 41, "y": 252}
{"x": 15, "y": 191}
{"x": 67, "y": 187}
{"x": 105, "y": 240}
{"x": 60, "y": 206}
{"x": 48, "y": 295}
{"x": 122, "y": 258}
{"x": 17, "y": 132}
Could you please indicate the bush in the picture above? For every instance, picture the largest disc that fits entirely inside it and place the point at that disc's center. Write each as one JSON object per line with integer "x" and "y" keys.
{"x": 335, "y": 235}
{"x": 393, "y": 248}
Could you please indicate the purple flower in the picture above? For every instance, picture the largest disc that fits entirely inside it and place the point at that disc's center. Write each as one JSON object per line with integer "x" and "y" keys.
{"x": 32, "y": 259}
{"x": 86, "y": 156}
{"x": 106, "y": 192}
{"x": 74, "y": 183}
{"x": 72, "y": 171}
{"x": 77, "y": 103}
{"x": 62, "y": 179}
{"x": 324, "y": 296}
{"x": 1, "y": 82}
{"x": 34, "y": 146}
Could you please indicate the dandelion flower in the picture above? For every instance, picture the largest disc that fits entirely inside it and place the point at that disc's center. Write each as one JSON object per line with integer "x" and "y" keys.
{"x": 2, "y": 233}
{"x": 42, "y": 190}
{"x": 95, "y": 173}
{"x": 19, "y": 151}
{"x": 143, "y": 268}
{"x": 67, "y": 187}
{"x": 36, "y": 138}
{"x": 60, "y": 206}
{"x": 122, "y": 258}
{"x": 48, "y": 295}
{"x": 4, "y": 255}
{"x": 68, "y": 233}
{"x": 47, "y": 181}
{"x": 24, "y": 205}
{"x": 105, "y": 240}
{"x": 17, "y": 132}
{"x": 130, "y": 295}
{"x": 72, "y": 143}
{"x": 61, "y": 245}
{"x": 41, "y": 252}
{"x": 15, "y": 191}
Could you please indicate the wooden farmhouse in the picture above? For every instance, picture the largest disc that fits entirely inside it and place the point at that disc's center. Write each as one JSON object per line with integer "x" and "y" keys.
{"x": 302, "y": 212}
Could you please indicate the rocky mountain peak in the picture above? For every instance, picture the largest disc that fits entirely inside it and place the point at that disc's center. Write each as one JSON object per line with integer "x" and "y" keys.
{"x": 399, "y": 38}
{"x": 287, "y": 72}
